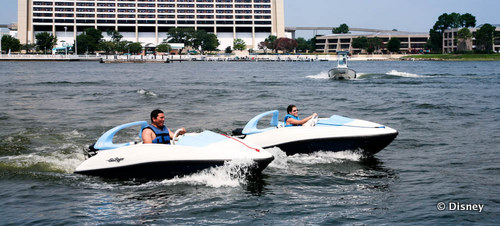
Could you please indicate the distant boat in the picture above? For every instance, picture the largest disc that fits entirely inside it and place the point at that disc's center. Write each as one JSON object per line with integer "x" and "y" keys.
{"x": 342, "y": 71}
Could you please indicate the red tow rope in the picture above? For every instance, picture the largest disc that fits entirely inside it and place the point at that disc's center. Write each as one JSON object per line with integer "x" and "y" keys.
{"x": 256, "y": 149}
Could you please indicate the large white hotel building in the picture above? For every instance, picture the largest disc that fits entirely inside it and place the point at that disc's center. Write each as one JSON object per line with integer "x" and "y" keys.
{"x": 148, "y": 21}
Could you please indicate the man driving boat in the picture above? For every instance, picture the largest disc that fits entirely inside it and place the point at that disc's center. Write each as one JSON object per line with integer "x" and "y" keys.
{"x": 157, "y": 132}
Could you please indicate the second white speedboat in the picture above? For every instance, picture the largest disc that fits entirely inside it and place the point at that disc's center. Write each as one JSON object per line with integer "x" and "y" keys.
{"x": 191, "y": 153}
{"x": 342, "y": 71}
{"x": 336, "y": 133}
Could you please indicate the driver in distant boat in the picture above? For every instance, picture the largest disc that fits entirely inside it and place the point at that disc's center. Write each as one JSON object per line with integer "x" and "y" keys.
{"x": 157, "y": 132}
{"x": 292, "y": 117}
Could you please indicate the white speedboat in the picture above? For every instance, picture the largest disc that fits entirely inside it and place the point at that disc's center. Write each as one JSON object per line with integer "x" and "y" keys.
{"x": 336, "y": 133}
{"x": 342, "y": 71}
{"x": 191, "y": 153}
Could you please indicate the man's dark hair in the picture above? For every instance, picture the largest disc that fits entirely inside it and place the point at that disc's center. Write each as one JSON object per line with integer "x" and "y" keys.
{"x": 289, "y": 108}
{"x": 155, "y": 114}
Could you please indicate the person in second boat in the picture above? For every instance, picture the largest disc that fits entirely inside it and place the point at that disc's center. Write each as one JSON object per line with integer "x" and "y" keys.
{"x": 292, "y": 117}
{"x": 157, "y": 132}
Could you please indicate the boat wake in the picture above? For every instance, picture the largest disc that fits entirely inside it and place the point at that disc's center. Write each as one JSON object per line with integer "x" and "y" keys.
{"x": 231, "y": 174}
{"x": 395, "y": 73}
{"x": 54, "y": 162}
{"x": 321, "y": 75}
{"x": 53, "y": 156}
{"x": 281, "y": 160}
{"x": 404, "y": 74}
{"x": 324, "y": 75}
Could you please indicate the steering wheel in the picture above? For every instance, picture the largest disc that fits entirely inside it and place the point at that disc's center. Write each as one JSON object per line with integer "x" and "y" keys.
{"x": 176, "y": 136}
{"x": 312, "y": 122}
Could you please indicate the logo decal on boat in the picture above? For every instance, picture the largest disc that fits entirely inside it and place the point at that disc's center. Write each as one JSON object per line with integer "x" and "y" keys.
{"x": 115, "y": 159}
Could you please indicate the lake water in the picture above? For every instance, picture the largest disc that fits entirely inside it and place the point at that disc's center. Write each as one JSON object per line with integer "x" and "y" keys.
{"x": 447, "y": 115}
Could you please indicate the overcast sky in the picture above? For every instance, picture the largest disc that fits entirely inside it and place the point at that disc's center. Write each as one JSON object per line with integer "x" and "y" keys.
{"x": 403, "y": 15}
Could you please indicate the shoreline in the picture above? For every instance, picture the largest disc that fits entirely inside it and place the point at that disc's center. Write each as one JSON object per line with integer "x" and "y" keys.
{"x": 244, "y": 58}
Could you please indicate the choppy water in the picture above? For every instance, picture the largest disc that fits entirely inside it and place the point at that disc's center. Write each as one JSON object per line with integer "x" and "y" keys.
{"x": 447, "y": 114}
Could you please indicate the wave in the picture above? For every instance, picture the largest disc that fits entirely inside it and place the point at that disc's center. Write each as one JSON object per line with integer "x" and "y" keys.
{"x": 231, "y": 174}
{"x": 147, "y": 93}
{"x": 321, "y": 75}
{"x": 52, "y": 162}
{"x": 281, "y": 160}
{"x": 404, "y": 74}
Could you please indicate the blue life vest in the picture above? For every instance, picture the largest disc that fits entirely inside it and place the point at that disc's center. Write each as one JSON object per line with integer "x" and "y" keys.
{"x": 162, "y": 135}
{"x": 291, "y": 116}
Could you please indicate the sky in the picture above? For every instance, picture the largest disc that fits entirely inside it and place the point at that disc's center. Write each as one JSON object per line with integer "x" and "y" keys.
{"x": 403, "y": 15}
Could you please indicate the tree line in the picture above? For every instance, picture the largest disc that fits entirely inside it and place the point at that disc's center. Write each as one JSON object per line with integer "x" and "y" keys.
{"x": 484, "y": 36}
{"x": 91, "y": 40}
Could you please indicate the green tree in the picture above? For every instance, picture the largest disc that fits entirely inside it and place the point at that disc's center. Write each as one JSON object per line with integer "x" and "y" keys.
{"x": 45, "y": 41}
{"x": 446, "y": 21}
{"x": 360, "y": 43}
{"x": 205, "y": 41}
{"x": 88, "y": 41}
{"x": 302, "y": 45}
{"x": 181, "y": 35}
{"x": 484, "y": 38}
{"x": 374, "y": 44}
{"x": 468, "y": 20}
{"x": 107, "y": 46}
{"x": 342, "y": 29}
{"x": 239, "y": 44}
{"x": 393, "y": 45}
{"x": 114, "y": 44}
{"x": 228, "y": 49}
{"x": 135, "y": 47}
{"x": 122, "y": 46}
{"x": 28, "y": 47}
{"x": 10, "y": 43}
{"x": 464, "y": 42}
{"x": 312, "y": 44}
{"x": 115, "y": 35}
{"x": 163, "y": 48}
{"x": 270, "y": 42}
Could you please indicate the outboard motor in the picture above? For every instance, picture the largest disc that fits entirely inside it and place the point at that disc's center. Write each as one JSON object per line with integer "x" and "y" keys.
{"x": 238, "y": 132}
{"x": 90, "y": 151}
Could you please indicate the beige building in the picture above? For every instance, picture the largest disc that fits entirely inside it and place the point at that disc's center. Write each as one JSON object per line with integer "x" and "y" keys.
{"x": 450, "y": 42}
{"x": 148, "y": 21}
{"x": 410, "y": 41}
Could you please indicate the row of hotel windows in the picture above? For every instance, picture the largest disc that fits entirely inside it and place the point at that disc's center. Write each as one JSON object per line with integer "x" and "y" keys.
{"x": 162, "y": 6}
{"x": 348, "y": 40}
{"x": 150, "y": 5}
{"x": 226, "y": 1}
{"x": 150, "y": 28}
{"x": 147, "y": 16}
{"x": 347, "y": 46}
{"x": 152, "y": 16}
{"x": 153, "y": 11}
{"x": 93, "y": 21}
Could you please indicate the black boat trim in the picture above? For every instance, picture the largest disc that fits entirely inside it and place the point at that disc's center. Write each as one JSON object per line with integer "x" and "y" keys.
{"x": 367, "y": 145}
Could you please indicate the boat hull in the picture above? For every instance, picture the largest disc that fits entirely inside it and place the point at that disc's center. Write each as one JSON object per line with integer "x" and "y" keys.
{"x": 191, "y": 154}
{"x": 367, "y": 146}
{"x": 336, "y": 133}
{"x": 167, "y": 169}
{"x": 342, "y": 73}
